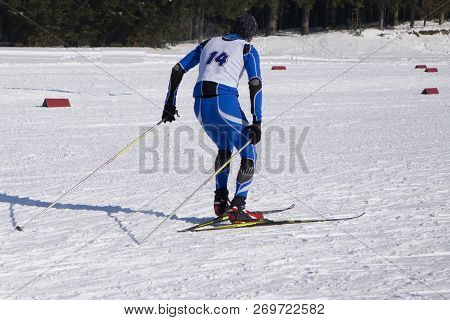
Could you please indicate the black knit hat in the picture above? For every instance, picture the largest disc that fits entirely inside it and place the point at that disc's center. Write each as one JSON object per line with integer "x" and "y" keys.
{"x": 245, "y": 25}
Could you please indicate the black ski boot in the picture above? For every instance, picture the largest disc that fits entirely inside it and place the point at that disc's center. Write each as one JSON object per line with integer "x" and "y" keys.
{"x": 237, "y": 213}
{"x": 221, "y": 202}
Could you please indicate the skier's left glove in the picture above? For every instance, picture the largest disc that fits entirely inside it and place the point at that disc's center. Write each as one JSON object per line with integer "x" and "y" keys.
{"x": 169, "y": 113}
{"x": 254, "y": 132}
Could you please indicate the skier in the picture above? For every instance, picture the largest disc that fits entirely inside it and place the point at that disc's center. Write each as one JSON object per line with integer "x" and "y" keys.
{"x": 222, "y": 61}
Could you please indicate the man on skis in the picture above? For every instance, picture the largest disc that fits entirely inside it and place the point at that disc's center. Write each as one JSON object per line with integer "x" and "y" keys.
{"x": 222, "y": 61}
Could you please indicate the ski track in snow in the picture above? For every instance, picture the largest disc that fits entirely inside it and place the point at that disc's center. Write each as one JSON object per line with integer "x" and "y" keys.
{"x": 374, "y": 144}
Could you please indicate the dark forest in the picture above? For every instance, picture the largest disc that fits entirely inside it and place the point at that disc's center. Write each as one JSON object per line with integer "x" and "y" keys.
{"x": 158, "y": 23}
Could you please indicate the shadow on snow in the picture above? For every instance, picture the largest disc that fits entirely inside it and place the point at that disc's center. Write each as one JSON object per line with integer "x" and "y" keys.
{"x": 109, "y": 210}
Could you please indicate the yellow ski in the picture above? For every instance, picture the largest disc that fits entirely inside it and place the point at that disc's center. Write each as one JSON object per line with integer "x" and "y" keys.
{"x": 266, "y": 222}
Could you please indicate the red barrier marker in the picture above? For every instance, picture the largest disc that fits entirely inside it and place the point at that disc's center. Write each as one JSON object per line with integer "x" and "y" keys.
{"x": 430, "y": 91}
{"x": 431, "y": 70}
{"x": 279, "y": 68}
{"x": 56, "y": 103}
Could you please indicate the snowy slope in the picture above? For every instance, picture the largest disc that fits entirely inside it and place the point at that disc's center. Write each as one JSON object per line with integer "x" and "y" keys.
{"x": 373, "y": 143}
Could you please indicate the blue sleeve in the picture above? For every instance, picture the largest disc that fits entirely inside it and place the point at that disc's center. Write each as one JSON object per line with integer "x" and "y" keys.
{"x": 192, "y": 58}
{"x": 252, "y": 65}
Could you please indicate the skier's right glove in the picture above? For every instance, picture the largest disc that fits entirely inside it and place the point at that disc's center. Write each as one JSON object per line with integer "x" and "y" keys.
{"x": 254, "y": 132}
{"x": 169, "y": 113}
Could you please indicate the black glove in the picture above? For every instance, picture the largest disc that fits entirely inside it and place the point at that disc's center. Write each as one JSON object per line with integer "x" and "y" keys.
{"x": 254, "y": 132}
{"x": 169, "y": 113}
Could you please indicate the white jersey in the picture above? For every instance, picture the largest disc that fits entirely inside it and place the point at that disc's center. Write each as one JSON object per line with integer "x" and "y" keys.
{"x": 222, "y": 61}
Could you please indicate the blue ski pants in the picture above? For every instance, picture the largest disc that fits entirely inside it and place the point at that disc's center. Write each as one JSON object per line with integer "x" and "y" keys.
{"x": 224, "y": 122}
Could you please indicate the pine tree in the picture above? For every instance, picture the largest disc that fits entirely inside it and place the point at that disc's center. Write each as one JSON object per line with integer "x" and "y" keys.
{"x": 412, "y": 13}
{"x": 434, "y": 9}
{"x": 394, "y": 7}
{"x": 273, "y": 16}
{"x": 381, "y": 5}
{"x": 306, "y": 6}
{"x": 357, "y": 6}
{"x": 334, "y": 5}
{"x": 441, "y": 8}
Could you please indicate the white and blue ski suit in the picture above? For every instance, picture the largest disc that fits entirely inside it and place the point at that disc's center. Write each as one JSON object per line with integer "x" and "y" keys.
{"x": 222, "y": 62}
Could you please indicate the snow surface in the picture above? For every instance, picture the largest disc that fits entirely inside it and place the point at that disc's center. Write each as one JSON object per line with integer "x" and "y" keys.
{"x": 372, "y": 143}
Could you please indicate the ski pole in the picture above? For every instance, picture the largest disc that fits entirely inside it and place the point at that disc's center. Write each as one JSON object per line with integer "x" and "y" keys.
{"x": 198, "y": 189}
{"x": 18, "y": 228}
